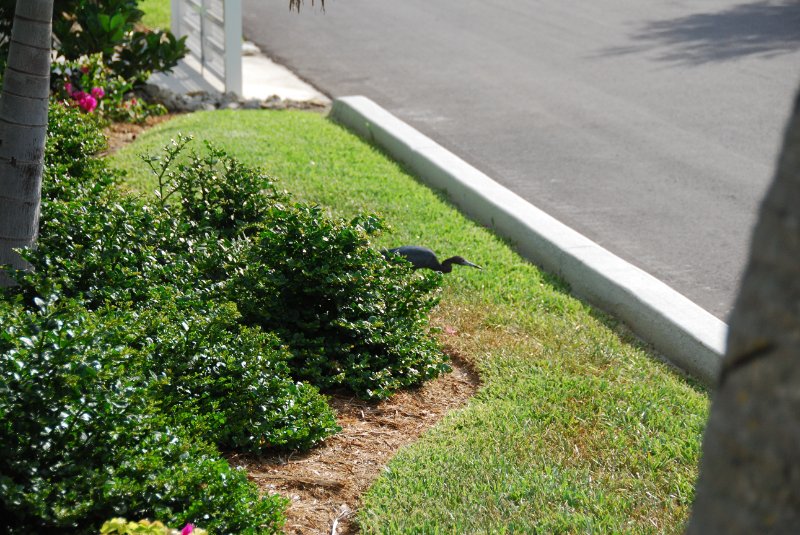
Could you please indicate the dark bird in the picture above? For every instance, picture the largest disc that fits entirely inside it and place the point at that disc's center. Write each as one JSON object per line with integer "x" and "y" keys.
{"x": 422, "y": 257}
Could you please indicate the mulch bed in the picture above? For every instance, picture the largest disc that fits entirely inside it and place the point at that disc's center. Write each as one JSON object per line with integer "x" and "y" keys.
{"x": 325, "y": 484}
{"x": 120, "y": 134}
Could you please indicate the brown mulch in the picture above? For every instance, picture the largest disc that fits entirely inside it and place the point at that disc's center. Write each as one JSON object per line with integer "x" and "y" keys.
{"x": 120, "y": 134}
{"x": 325, "y": 484}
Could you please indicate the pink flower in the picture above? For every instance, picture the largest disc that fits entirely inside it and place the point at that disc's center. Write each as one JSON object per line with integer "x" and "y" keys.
{"x": 88, "y": 103}
{"x": 187, "y": 529}
{"x": 79, "y": 95}
{"x": 68, "y": 88}
{"x": 98, "y": 93}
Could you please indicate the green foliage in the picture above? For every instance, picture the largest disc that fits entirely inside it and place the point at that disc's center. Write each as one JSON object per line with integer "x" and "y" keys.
{"x": 119, "y": 389}
{"x": 160, "y": 167}
{"x": 109, "y": 249}
{"x": 108, "y": 26}
{"x": 152, "y": 333}
{"x": 219, "y": 192}
{"x": 230, "y": 382}
{"x": 160, "y": 477}
{"x": 71, "y": 170}
{"x": 146, "y": 53}
{"x": 102, "y": 25}
{"x": 77, "y": 194}
{"x": 350, "y": 318}
{"x": 82, "y": 442}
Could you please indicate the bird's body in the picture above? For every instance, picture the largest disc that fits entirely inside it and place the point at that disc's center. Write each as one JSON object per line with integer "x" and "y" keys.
{"x": 422, "y": 257}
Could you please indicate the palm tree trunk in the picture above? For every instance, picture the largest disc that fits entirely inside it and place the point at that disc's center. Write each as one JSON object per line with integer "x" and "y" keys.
{"x": 750, "y": 469}
{"x": 23, "y": 128}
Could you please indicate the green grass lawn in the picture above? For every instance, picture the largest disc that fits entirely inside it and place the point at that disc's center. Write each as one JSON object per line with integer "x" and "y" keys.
{"x": 156, "y": 13}
{"x": 576, "y": 427}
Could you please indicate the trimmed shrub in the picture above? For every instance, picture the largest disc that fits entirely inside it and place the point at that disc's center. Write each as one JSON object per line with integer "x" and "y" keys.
{"x": 116, "y": 391}
{"x": 82, "y": 442}
{"x": 71, "y": 171}
{"x": 217, "y": 191}
{"x": 99, "y": 244}
{"x": 350, "y": 317}
{"x": 173, "y": 327}
{"x": 229, "y": 382}
{"x": 211, "y": 370}
{"x": 110, "y": 249}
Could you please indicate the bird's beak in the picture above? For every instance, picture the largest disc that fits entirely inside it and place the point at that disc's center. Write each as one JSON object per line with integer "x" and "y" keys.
{"x": 470, "y": 264}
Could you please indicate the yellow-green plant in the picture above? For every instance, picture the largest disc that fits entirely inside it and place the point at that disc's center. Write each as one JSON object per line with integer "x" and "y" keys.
{"x": 121, "y": 526}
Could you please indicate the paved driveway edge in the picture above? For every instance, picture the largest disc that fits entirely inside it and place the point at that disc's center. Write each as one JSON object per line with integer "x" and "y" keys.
{"x": 686, "y": 334}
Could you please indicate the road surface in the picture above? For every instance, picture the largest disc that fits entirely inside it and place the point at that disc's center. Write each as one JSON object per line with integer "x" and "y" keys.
{"x": 652, "y": 127}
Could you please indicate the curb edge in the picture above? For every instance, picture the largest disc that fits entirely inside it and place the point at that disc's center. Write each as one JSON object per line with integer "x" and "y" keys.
{"x": 686, "y": 334}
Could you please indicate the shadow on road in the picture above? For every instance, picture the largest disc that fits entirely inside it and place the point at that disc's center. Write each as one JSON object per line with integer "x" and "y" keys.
{"x": 765, "y": 28}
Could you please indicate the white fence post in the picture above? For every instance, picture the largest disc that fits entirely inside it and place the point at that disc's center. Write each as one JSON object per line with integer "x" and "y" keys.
{"x": 233, "y": 45}
{"x": 176, "y": 17}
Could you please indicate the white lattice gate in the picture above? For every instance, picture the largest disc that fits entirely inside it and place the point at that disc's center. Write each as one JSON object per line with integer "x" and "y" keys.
{"x": 214, "y": 38}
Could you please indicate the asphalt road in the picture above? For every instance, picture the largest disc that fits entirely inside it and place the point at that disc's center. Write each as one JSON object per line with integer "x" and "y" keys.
{"x": 652, "y": 127}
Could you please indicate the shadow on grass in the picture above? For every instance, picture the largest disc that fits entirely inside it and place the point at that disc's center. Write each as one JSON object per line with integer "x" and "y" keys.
{"x": 765, "y": 28}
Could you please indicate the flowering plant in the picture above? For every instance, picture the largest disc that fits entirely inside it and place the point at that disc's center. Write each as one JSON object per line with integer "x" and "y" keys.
{"x": 89, "y": 84}
{"x": 86, "y": 101}
{"x": 120, "y": 526}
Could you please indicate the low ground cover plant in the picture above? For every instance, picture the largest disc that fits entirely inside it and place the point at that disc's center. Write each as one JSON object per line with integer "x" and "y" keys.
{"x": 350, "y": 318}
{"x": 154, "y": 333}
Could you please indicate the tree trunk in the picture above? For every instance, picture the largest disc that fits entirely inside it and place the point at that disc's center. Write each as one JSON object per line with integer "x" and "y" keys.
{"x": 750, "y": 469}
{"x": 23, "y": 128}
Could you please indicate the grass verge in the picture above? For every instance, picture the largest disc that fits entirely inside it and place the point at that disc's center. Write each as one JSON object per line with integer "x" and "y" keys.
{"x": 576, "y": 427}
{"x": 157, "y": 13}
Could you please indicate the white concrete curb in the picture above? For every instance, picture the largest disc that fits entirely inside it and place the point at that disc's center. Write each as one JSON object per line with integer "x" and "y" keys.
{"x": 684, "y": 333}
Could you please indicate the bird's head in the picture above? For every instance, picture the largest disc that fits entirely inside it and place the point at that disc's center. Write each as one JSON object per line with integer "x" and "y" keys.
{"x": 461, "y": 261}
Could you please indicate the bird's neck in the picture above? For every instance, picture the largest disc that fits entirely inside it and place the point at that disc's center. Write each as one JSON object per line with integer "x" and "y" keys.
{"x": 447, "y": 265}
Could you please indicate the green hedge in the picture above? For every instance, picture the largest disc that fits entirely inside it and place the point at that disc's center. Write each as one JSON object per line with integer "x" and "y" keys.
{"x": 350, "y": 318}
{"x": 230, "y": 382}
{"x": 82, "y": 441}
{"x": 153, "y": 333}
